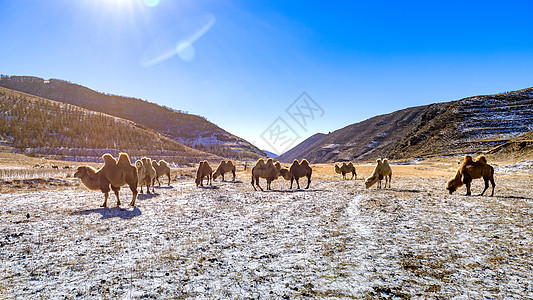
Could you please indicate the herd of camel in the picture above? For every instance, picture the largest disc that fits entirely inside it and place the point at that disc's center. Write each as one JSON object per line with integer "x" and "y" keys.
{"x": 116, "y": 173}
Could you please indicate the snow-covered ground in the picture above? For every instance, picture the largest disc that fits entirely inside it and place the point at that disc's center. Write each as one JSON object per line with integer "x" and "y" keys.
{"x": 336, "y": 240}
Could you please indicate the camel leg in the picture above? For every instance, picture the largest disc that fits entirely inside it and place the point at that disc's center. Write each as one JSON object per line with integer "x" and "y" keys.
{"x": 268, "y": 184}
{"x": 468, "y": 192}
{"x": 467, "y": 181}
{"x": 168, "y": 174}
{"x": 292, "y": 179}
{"x": 116, "y": 189}
{"x": 297, "y": 182}
{"x": 133, "y": 189}
{"x": 253, "y": 185}
{"x": 493, "y": 186}
{"x": 233, "y": 172}
{"x": 106, "y": 195}
{"x": 257, "y": 183}
{"x": 486, "y": 186}
{"x": 308, "y": 181}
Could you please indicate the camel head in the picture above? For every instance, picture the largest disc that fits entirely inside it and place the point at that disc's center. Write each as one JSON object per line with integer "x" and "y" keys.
{"x": 84, "y": 171}
{"x": 453, "y": 184}
{"x": 370, "y": 181}
{"x": 337, "y": 169}
{"x": 285, "y": 173}
{"x": 216, "y": 174}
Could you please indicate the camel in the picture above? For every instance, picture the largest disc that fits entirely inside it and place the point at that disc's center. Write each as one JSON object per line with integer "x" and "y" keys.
{"x": 161, "y": 168}
{"x": 267, "y": 170}
{"x": 112, "y": 175}
{"x": 141, "y": 173}
{"x": 345, "y": 169}
{"x": 472, "y": 169}
{"x": 298, "y": 170}
{"x": 146, "y": 174}
{"x": 382, "y": 170}
{"x": 204, "y": 170}
{"x": 224, "y": 167}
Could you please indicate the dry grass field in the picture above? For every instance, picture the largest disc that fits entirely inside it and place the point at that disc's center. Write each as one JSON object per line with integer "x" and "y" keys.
{"x": 335, "y": 240}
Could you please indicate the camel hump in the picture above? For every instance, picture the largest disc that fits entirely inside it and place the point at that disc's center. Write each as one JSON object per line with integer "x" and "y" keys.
{"x": 304, "y": 162}
{"x": 378, "y": 161}
{"x": 109, "y": 159}
{"x": 162, "y": 163}
{"x": 350, "y": 164}
{"x": 124, "y": 159}
{"x": 482, "y": 159}
{"x": 468, "y": 159}
{"x": 385, "y": 161}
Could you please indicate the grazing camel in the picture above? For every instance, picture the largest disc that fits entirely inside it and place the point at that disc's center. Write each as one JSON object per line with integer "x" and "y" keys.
{"x": 204, "y": 170}
{"x": 345, "y": 169}
{"x": 112, "y": 175}
{"x": 469, "y": 170}
{"x": 298, "y": 170}
{"x": 224, "y": 167}
{"x": 267, "y": 170}
{"x": 161, "y": 168}
{"x": 382, "y": 170}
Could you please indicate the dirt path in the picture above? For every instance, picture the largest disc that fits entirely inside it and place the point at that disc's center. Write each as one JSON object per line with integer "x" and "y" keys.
{"x": 335, "y": 240}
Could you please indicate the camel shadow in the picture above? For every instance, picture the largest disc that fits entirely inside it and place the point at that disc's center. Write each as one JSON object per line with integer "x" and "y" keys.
{"x": 402, "y": 190}
{"x": 209, "y": 187}
{"x": 229, "y": 181}
{"x": 514, "y": 197}
{"x": 301, "y": 190}
{"x": 168, "y": 187}
{"x": 111, "y": 212}
{"x": 147, "y": 196}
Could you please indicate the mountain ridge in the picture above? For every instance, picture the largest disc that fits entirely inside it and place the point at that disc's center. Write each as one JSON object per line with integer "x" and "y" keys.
{"x": 38, "y": 126}
{"x": 191, "y": 130}
{"x": 468, "y": 125}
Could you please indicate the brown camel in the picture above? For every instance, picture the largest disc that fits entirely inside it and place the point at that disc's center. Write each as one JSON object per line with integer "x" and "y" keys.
{"x": 345, "y": 169}
{"x": 299, "y": 170}
{"x": 224, "y": 167}
{"x": 204, "y": 170}
{"x": 161, "y": 168}
{"x": 472, "y": 169}
{"x": 267, "y": 170}
{"x": 112, "y": 175}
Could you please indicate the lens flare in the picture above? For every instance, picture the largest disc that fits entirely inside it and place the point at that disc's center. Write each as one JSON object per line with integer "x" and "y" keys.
{"x": 151, "y": 3}
{"x": 186, "y": 33}
{"x": 186, "y": 51}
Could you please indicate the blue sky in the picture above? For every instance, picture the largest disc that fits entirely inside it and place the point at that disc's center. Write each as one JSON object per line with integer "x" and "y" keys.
{"x": 241, "y": 64}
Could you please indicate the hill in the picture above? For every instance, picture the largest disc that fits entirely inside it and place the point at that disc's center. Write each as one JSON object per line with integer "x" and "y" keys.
{"x": 298, "y": 151}
{"x": 188, "y": 129}
{"x": 517, "y": 148}
{"x": 468, "y": 125}
{"x": 38, "y": 126}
